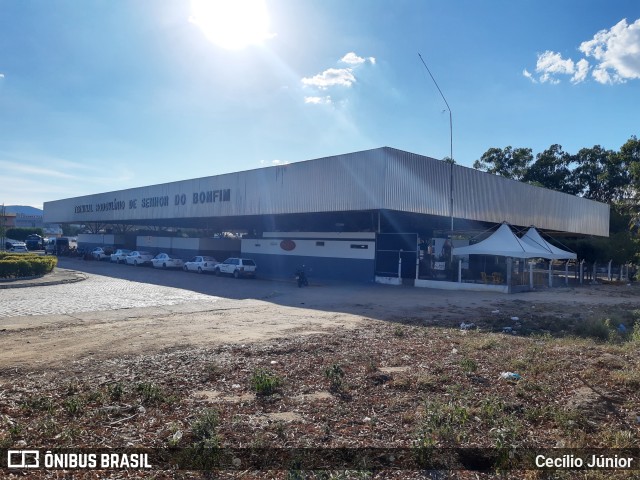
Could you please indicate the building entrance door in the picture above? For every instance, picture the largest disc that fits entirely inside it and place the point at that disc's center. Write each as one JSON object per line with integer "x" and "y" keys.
{"x": 396, "y": 252}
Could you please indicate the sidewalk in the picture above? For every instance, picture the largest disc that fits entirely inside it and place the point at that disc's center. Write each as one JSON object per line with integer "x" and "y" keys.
{"x": 58, "y": 276}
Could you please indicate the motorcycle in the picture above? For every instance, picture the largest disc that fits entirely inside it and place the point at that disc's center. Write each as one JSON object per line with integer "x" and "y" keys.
{"x": 301, "y": 278}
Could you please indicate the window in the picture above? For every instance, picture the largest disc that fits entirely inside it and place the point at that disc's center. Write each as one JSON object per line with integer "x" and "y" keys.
{"x": 319, "y": 244}
{"x": 359, "y": 246}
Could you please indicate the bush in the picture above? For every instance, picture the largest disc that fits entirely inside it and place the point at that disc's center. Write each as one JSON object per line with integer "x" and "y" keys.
{"x": 264, "y": 382}
{"x": 21, "y": 234}
{"x": 25, "y": 265}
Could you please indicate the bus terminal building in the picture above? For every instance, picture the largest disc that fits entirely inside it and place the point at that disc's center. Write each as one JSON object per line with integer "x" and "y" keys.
{"x": 356, "y": 216}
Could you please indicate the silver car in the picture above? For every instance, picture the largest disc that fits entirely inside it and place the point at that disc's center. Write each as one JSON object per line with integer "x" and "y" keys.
{"x": 164, "y": 260}
{"x": 139, "y": 257}
{"x": 200, "y": 264}
{"x": 120, "y": 255}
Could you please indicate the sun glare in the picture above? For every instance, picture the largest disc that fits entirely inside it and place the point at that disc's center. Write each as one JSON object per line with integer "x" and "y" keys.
{"x": 232, "y": 24}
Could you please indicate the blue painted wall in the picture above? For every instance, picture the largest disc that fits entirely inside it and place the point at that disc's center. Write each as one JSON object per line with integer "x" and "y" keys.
{"x": 317, "y": 268}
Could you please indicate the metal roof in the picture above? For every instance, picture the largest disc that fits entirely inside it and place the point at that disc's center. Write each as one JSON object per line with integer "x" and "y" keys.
{"x": 383, "y": 178}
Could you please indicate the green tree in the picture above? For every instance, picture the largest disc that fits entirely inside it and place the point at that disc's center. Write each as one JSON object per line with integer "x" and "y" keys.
{"x": 551, "y": 170}
{"x": 630, "y": 158}
{"x": 508, "y": 162}
{"x": 21, "y": 234}
{"x": 600, "y": 174}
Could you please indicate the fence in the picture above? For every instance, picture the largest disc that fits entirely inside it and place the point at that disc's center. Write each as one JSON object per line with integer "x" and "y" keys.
{"x": 559, "y": 274}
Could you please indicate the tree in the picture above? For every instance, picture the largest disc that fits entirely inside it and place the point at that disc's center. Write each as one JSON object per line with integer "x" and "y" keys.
{"x": 551, "y": 170}
{"x": 630, "y": 158}
{"x": 21, "y": 234}
{"x": 600, "y": 174}
{"x": 508, "y": 162}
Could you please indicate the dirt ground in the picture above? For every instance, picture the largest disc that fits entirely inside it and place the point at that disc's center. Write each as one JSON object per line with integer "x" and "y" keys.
{"x": 264, "y": 366}
{"x": 278, "y": 311}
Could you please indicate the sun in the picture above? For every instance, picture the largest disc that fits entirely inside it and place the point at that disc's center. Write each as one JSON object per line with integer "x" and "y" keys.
{"x": 232, "y": 24}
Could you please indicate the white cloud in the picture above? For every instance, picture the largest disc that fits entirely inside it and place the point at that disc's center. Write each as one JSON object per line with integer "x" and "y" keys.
{"x": 335, "y": 77}
{"x": 618, "y": 52}
{"x": 352, "y": 59}
{"x": 331, "y": 77}
{"x": 528, "y": 74}
{"x": 1, "y": 75}
{"x": 273, "y": 162}
{"x": 551, "y": 63}
{"x": 318, "y": 100}
{"x": 581, "y": 71}
{"x": 29, "y": 169}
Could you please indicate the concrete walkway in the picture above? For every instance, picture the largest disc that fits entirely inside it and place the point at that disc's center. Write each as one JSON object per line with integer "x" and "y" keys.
{"x": 58, "y": 276}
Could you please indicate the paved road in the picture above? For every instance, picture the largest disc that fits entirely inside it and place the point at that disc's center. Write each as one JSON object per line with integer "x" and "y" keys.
{"x": 115, "y": 287}
{"x": 97, "y": 293}
{"x": 112, "y": 286}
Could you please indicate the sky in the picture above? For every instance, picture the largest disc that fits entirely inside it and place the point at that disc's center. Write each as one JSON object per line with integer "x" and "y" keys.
{"x": 107, "y": 95}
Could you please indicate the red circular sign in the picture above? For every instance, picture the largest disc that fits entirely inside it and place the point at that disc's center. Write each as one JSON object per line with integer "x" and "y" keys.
{"x": 287, "y": 245}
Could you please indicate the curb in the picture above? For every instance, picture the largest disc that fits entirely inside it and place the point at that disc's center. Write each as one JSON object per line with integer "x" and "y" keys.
{"x": 69, "y": 276}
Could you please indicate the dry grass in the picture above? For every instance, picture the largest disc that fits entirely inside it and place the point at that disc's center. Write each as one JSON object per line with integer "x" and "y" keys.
{"x": 579, "y": 388}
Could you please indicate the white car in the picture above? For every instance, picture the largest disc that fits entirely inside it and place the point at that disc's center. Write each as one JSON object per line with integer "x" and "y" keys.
{"x": 200, "y": 264}
{"x": 120, "y": 255}
{"x": 164, "y": 260}
{"x": 138, "y": 257}
{"x": 100, "y": 253}
{"x": 238, "y": 267}
{"x": 19, "y": 248}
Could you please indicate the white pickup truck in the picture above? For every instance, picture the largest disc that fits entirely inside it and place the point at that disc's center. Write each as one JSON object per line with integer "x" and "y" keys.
{"x": 238, "y": 267}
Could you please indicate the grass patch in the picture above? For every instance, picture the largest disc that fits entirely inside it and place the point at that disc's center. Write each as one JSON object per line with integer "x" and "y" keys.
{"x": 443, "y": 424}
{"x": 115, "y": 391}
{"x": 152, "y": 394}
{"x": 335, "y": 375}
{"x": 468, "y": 365}
{"x": 202, "y": 453}
{"x": 74, "y": 405}
{"x": 38, "y": 404}
{"x": 264, "y": 382}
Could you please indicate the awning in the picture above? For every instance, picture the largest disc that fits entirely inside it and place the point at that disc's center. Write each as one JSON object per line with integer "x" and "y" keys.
{"x": 534, "y": 239}
{"x": 504, "y": 243}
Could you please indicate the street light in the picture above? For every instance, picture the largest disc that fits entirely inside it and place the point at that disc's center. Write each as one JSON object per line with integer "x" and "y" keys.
{"x": 450, "y": 139}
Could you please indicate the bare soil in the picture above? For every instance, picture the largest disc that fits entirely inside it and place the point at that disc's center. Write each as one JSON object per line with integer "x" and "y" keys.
{"x": 365, "y": 367}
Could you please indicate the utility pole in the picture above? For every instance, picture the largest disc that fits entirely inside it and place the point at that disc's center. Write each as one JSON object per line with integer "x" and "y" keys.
{"x": 450, "y": 144}
{"x": 2, "y": 227}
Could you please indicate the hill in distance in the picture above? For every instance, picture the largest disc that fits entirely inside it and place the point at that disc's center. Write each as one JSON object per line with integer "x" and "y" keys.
{"x": 24, "y": 209}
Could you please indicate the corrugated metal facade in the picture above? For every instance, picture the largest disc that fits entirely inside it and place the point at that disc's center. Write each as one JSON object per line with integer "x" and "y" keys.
{"x": 383, "y": 178}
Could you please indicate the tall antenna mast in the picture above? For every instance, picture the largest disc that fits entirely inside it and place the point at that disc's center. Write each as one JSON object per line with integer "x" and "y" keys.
{"x": 450, "y": 141}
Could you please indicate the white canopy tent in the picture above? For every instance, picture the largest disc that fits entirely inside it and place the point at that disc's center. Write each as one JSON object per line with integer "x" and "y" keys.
{"x": 534, "y": 239}
{"x": 504, "y": 243}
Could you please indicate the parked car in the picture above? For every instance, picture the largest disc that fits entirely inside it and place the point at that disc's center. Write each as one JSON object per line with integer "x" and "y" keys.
{"x": 102, "y": 253}
{"x": 138, "y": 257}
{"x": 18, "y": 247}
{"x": 238, "y": 267}
{"x": 120, "y": 255}
{"x": 164, "y": 260}
{"x": 200, "y": 264}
